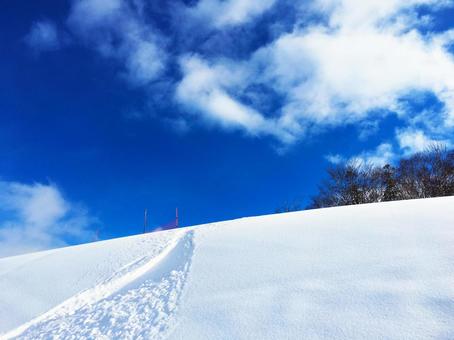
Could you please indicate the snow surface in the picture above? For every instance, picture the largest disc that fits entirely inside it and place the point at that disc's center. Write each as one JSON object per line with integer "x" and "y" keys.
{"x": 377, "y": 271}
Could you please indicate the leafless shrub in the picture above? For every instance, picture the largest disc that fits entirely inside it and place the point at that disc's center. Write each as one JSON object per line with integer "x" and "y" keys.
{"x": 426, "y": 174}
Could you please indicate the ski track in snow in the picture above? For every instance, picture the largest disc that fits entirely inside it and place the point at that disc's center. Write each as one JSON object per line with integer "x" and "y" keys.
{"x": 138, "y": 302}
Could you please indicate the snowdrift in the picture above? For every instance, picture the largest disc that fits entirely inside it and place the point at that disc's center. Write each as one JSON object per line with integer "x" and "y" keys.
{"x": 371, "y": 271}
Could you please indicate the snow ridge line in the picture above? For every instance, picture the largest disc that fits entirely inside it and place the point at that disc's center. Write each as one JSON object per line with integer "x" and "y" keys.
{"x": 119, "y": 280}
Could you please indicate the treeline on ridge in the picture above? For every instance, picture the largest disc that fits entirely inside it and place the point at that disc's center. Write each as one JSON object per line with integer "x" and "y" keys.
{"x": 423, "y": 175}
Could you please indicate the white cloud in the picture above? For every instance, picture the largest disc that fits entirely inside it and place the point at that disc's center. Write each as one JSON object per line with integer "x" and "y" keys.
{"x": 43, "y": 36}
{"x": 118, "y": 29}
{"x": 145, "y": 63}
{"x": 356, "y": 68}
{"x": 381, "y": 156}
{"x": 412, "y": 141}
{"x": 334, "y": 159}
{"x": 221, "y": 13}
{"x": 336, "y": 77}
{"x": 409, "y": 142}
{"x": 35, "y": 217}
{"x": 356, "y": 65}
{"x": 205, "y": 88}
{"x": 356, "y": 15}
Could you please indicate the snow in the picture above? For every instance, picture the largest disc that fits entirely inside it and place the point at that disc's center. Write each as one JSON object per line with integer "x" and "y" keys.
{"x": 373, "y": 271}
{"x": 34, "y": 283}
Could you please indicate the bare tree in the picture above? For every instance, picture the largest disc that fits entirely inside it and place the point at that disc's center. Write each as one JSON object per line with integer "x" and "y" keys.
{"x": 389, "y": 182}
{"x": 347, "y": 184}
{"x": 426, "y": 174}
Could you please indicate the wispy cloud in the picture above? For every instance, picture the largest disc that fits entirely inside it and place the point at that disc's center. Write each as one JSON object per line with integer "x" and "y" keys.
{"x": 334, "y": 158}
{"x": 207, "y": 89}
{"x": 382, "y": 155}
{"x": 118, "y": 29}
{"x": 408, "y": 142}
{"x": 351, "y": 69}
{"x": 342, "y": 62}
{"x": 412, "y": 141}
{"x": 359, "y": 63}
{"x": 222, "y": 13}
{"x": 44, "y": 36}
{"x": 37, "y": 216}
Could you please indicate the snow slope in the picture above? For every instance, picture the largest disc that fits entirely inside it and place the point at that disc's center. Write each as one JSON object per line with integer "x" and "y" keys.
{"x": 372, "y": 271}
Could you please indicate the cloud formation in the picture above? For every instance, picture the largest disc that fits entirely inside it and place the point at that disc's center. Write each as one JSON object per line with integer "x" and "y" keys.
{"x": 222, "y": 13}
{"x": 208, "y": 89}
{"x": 356, "y": 66}
{"x": 119, "y": 30}
{"x": 412, "y": 141}
{"x": 37, "y": 216}
{"x": 333, "y": 63}
{"x": 44, "y": 36}
{"x": 382, "y": 155}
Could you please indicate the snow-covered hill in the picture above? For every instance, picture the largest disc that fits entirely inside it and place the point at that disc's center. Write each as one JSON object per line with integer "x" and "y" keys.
{"x": 378, "y": 271}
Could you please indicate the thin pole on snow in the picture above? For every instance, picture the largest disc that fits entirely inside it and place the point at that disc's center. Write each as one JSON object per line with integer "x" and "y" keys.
{"x": 145, "y": 220}
{"x": 176, "y": 217}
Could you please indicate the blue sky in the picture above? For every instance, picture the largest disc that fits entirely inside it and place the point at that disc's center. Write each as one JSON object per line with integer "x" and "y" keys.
{"x": 222, "y": 108}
